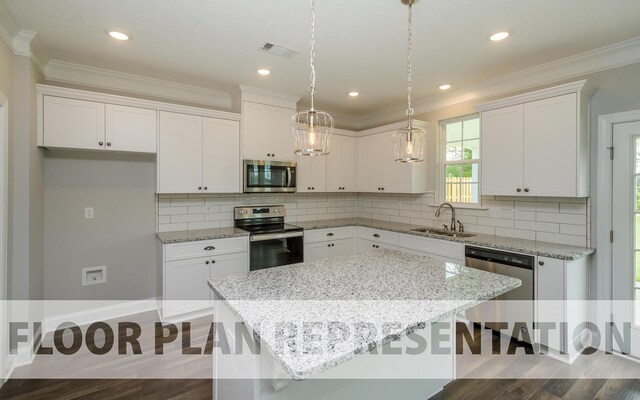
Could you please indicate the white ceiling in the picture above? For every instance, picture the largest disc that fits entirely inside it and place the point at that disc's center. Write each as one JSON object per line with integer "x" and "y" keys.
{"x": 361, "y": 44}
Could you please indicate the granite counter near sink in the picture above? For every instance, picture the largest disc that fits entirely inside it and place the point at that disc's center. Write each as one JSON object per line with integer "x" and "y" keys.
{"x": 538, "y": 248}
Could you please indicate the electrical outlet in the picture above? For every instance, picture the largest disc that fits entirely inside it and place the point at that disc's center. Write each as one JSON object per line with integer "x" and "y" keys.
{"x": 94, "y": 275}
{"x": 88, "y": 213}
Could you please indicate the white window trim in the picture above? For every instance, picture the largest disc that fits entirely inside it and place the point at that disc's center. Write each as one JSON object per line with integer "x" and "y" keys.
{"x": 441, "y": 157}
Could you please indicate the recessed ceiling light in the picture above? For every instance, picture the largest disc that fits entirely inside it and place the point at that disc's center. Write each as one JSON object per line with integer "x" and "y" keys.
{"x": 498, "y": 36}
{"x": 354, "y": 94}
{"x": 118, "y": 35}
{"x": 444, "y": 87}
{"x": 264, "y": 71}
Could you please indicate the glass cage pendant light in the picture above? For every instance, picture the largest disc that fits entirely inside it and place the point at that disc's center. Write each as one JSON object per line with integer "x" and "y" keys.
{"x": 312, "y": 129}
{"x": 409, "y": 142}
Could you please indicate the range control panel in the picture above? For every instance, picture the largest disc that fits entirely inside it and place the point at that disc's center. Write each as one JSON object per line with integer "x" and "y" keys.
{"x": 259, "y": 212}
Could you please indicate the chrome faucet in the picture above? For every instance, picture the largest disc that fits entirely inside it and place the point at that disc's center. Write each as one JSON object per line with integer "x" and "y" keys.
{"x": 453, "y": 214}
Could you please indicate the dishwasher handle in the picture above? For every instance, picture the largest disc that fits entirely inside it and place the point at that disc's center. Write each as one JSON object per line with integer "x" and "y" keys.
{"x": 499, "y": 257}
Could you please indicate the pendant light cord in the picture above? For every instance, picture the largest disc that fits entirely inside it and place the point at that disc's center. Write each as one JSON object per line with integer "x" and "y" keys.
{"x": 312, "y": 86}
{"x": 409, "y": 58}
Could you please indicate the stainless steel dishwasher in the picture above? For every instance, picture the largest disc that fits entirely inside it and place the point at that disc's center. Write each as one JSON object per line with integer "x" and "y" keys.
{"x": 517, "y": 314}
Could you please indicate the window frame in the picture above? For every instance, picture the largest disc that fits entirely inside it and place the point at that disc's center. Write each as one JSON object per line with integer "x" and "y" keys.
{"x": 442, "y": 157}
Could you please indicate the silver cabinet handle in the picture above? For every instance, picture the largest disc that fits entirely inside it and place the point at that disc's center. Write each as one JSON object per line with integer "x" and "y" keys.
{"x": 209, "y": 248}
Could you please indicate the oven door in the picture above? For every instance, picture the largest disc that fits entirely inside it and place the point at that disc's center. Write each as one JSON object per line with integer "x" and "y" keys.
{"x": 275, "y": 249}
{"x": 269, "y": 176}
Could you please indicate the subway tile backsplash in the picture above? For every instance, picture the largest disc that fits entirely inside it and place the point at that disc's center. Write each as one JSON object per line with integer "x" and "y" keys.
{"x": 560, "y": 220}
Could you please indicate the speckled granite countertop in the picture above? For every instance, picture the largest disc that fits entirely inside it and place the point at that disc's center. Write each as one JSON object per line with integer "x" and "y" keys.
{"x": 545, "y": 249}
{"x": 403, "y": 291}
{"x": 200, "y": 234}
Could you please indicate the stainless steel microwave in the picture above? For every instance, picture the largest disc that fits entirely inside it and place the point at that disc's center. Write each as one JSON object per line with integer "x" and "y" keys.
{"x": 269, "y": 176}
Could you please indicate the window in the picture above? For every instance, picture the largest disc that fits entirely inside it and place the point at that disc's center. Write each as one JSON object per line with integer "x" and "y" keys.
{"x": 461, "y": 159}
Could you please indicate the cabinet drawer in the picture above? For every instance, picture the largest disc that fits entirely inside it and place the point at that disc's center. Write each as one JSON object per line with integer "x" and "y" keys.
{"x": 330, "y": 234}
{"x": 369, "y": 245}
{"x": 444, "y": 248}
{"x": 378, "y": 235}
{"x": 205, "y": 248}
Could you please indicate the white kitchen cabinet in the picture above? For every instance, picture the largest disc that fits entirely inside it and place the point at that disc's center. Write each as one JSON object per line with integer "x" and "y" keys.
{"x": 187, "y": 267}
{"x": 131, "y": 129}
{"x": 221, "y": 156}
{"x": 89, "y": 125}
{"x": 365, "y": 246}
{"x": 341, "y": 164}
{"x": 311, "y": 174}
{"x": 378, "y": 235}
{"x": 379, "y": 172}
{"x": 536, "y": 144}
{"x": 70, "y": 123}
{"x": 334, "y": 248}
{"x": 444, "y": 250}
{"x": 198, "y": 155}
{"x": 266, "y": 132}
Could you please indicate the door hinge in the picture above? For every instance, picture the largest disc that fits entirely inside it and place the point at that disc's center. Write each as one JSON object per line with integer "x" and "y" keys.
{"x": 611, "y": 151}
{"x": 610, "y": 236}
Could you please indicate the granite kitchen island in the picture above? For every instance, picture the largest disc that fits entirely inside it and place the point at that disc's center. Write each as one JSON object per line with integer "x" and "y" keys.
{"x": 373, "y": 325}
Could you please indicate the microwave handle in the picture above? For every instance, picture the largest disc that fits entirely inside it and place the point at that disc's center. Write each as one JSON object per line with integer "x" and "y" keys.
{"x": 289, "y": 178}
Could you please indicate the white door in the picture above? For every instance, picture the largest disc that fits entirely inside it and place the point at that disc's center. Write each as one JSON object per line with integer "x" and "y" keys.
{"x": 131, "y": 129}
{"x": 396, "y": 177}
{"x": 318, "y": 173}
{"x": 369, "y": 165}
{"x": 256, "y": 131}
{"x": 303, "y": 174}
{"x": 344, "y": 247}
{"x": 626, "y": 230}
{"x": 74, "y": 124}
{"x": 317, "y": 251}
{"x": 229, "y": 264}
{"x": 220, "y": 156}
{"x": 341, "y": 164}
{"x": 550, "y": 156}
{"x": 180, "y": 153}
{"x": 281, "y": 134}
{"x": 502, "y": 151}
{"x": 185, "y": 286}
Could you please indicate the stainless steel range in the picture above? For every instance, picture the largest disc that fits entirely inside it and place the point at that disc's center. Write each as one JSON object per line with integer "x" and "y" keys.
{"x": 272, "y": 242}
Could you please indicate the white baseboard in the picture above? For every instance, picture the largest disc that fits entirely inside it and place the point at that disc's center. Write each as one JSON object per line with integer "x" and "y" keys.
{"x": 101, "y": 313}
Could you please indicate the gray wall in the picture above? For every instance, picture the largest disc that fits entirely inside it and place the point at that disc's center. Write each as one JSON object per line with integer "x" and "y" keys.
{"x": 121, "y": 189}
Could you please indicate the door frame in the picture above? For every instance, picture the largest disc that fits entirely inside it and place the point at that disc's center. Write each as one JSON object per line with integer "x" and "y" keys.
{"x": 604, "y": 217}
{"x": 4, "y": 164}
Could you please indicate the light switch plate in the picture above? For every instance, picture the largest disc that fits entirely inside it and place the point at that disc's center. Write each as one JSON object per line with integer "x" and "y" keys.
{"x": 88, "y": 213}
{"x": 94, "y": 275}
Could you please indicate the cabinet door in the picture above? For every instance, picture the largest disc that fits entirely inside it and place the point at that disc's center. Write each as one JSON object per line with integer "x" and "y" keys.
{"x": 368, "y": 245}
{"x": 131, "y": 129}
{"x": 185, "y": 286}
{"x": 369, "y": 164}
{"x": 75, "y": 124}
{"x": 396, "y": 177}
{"x": 502, "y": 151}
{"x": 256, "y": 131}
{"x": 228, "y": 264}
{"x": 550, "y": 284}
{"x": 550, "y": 144}
{"x": 180, "y": 153}
{"x": 303, "y": 174}
{"x": 220, "y": 156}
{"x": 281, "y": 134}
{"x": 311, "y": 174}
{"x": 344, "y": 247}
{"x": 317, "y": 251}
{"x": 341, "y": 164}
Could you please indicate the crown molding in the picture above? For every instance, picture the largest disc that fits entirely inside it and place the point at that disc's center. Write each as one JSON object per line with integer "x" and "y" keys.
{"x": 61, "y": 71}
{"x": 579, "y": 65}
{"x": 257, "y": 95}
{"x": 8, "y": 26}
{"x": 395, "y": 126}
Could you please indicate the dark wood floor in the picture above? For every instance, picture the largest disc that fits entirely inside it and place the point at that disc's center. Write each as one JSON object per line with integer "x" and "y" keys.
{"x": 481, "y": 377}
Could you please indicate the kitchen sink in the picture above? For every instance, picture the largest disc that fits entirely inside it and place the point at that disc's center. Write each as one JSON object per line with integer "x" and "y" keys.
{"x": 436, "y": 231}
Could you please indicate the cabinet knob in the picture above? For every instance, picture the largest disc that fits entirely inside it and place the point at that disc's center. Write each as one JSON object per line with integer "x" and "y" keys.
{"x": 205, "y": 188}
{"x": 328, "y": 245}
{"x": 268, "y": 154}
{"x": 382, "y": 188}
{"x": 213, "y": 261}
{"x": 308, "y": 187}
{"x": 526, "y": 190}
{"x": 540, "y": 263}
{"x": 206, "y": 262}
{"x": 273, "y": 155}
{"x": 313, "y": 188}
{"x": 100, "y": 143}
{"x": 518, "y": 190}
{"x": 333, "y": 244}
{"x": 108, "y": 143}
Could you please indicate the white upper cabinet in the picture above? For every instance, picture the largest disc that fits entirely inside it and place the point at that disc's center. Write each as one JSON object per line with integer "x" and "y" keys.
{"x": 81, "y": 124}
{"x": 70, "y": 123}
{"x": 341, "y": 164}
{"x": 379, "y": 172}
{"x": 312, "y": 174}
{"x": 131, "y": 129}
{"x": 536, "y": 144}
{"x": 267, "y": 132}
{"x": 198, "y": 154}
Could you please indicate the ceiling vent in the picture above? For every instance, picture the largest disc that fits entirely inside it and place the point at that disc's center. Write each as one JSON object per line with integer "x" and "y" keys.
{"x": 278, "y": 50}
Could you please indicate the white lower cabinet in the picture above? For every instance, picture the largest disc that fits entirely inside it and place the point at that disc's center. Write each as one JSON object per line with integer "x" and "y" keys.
{"x": 188, "y": 266}
{"x": 435, "y": 248}
{"x": 333, "y": 242}
{"x": 365, "y": 246}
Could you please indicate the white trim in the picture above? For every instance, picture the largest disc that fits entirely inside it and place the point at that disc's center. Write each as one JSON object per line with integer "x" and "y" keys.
{"x": 580, "y": 86}
{"x": 604, "y": 218}
{"x": 66, "y": 72}
{"x": 263, "y": 96}
{"x": 4, "y": 134}
{"x": 392, "y": 127}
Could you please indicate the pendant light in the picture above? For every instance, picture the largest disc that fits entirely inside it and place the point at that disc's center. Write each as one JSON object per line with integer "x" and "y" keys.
{"x": 409, "y": 142}
{"x": 312, "y": 129}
